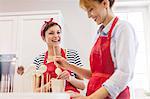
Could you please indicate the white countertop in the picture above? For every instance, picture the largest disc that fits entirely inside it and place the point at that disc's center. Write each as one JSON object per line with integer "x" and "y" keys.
{"x": 34, "y": 96}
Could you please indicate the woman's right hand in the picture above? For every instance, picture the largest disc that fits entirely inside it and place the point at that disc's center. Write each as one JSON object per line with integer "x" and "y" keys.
{"x": 61, "y": 62}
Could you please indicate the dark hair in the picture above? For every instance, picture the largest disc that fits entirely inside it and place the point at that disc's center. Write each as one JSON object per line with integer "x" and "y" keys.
{"x": 110, "y": 1}
{"x": 46, "y": 26}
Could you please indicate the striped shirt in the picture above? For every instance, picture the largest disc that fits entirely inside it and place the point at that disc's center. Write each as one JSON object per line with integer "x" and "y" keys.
{"x": 71, "y": 55}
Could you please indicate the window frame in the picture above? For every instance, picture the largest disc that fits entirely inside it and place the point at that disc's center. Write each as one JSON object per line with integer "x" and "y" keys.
{"x": 145, "y": 8}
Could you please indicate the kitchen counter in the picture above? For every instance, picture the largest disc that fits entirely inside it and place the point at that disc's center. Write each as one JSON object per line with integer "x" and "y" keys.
{"x": 34, "y": 96}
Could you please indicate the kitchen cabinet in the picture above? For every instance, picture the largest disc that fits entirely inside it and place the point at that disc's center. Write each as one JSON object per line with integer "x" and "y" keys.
{"x": 20, "y": 33}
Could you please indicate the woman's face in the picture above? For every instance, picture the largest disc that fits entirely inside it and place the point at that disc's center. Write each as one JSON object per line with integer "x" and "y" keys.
{"x": 53, "y": 36}
{"x": 98, "y": 12}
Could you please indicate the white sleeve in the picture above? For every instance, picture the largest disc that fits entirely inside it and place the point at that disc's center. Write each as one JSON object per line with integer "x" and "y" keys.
{"x": 125, "y": 53}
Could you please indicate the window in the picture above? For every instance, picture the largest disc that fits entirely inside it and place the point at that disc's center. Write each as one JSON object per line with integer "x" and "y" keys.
{"x": 137, "y": 20}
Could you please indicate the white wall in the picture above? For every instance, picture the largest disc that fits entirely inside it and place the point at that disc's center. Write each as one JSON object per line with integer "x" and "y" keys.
{"x": 76, "y": 24}
{"x": 148, "y": 47}
{"x": 78, "y": 28}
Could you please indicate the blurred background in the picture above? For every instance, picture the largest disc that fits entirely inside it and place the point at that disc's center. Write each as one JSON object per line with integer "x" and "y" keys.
{"x": 21, "y": 21}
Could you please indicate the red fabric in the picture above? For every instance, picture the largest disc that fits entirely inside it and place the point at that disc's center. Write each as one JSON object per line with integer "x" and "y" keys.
{"x": 47, "y": 23}
{"x": 101, "y": 64}
{"x": 51, "y": 70}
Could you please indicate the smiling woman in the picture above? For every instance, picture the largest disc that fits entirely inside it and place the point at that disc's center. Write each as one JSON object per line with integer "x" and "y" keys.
{"x": 51, "y": 35}
{"x": 112, "y": 56}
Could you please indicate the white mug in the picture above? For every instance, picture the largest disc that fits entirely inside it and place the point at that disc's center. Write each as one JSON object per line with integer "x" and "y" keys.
{"x": 57, "y": 85}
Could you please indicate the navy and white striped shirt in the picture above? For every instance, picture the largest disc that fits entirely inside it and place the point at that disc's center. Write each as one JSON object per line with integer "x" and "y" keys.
{"x": 71, "y": 55}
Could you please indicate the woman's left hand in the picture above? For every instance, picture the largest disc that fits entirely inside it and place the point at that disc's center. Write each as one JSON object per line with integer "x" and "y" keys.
{"x": 65, "y": 75}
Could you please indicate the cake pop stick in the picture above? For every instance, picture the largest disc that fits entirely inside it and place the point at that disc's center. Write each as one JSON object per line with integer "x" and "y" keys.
{"x": 42, "y": 69}
{"x": 47, "y": 80}
{"x": 58, "y": 71}
{"x": 46, "y": 87}
{"x": 42, "y": 82}
{"x": 57, "y": 51}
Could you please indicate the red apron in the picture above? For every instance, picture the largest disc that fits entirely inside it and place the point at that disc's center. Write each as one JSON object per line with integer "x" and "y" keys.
{"x": 51, "y": 70}
{"x": 102, "y": 66}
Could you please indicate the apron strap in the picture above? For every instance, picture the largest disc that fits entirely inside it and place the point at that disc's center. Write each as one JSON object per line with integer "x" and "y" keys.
{"x": 101, "y": 75}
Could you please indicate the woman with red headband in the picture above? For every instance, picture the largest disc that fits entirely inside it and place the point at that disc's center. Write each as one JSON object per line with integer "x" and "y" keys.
{"x": 112, "y": 57}
{"x": 51, "y": 35}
